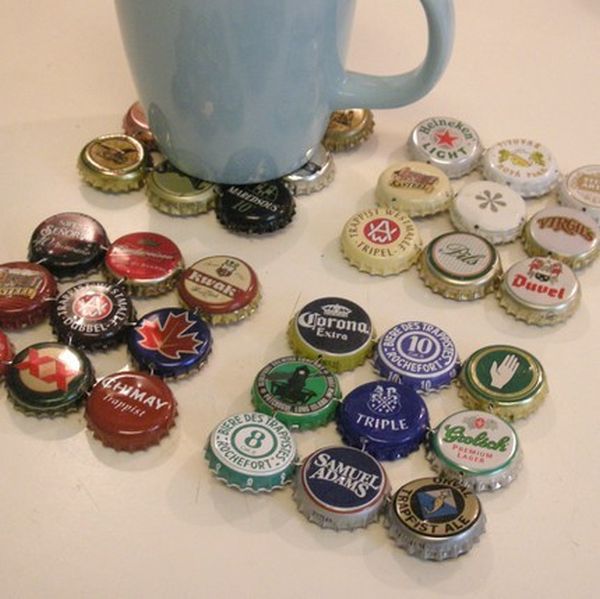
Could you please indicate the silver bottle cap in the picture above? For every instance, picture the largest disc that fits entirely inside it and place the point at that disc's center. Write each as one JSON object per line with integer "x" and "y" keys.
{"x": 316, "y": 174}
{"x": 581, "y": 190}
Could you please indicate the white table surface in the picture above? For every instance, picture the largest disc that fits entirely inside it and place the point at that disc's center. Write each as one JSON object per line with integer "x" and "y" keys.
{"x": 80, "y": 520}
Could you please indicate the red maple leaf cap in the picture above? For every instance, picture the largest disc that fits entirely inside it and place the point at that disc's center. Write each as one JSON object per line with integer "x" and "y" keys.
{"x": 171, "y": 339}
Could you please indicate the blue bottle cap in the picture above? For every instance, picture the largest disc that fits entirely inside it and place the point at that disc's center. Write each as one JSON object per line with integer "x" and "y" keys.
{"x": 386, "y": 419}
{"x": 170, "y": 342}
{"x": 417, "y": 354}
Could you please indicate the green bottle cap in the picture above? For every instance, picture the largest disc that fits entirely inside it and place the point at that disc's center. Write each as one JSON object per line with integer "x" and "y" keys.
{"x": 252, "y": 452}
{"x": 300, "y": 393}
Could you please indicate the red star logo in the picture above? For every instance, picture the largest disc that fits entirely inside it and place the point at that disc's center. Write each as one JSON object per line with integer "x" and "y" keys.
{"x": 446, "y": 138}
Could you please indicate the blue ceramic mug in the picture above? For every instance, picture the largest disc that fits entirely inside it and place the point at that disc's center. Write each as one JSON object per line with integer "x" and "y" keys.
{"x": 239, "y": 91}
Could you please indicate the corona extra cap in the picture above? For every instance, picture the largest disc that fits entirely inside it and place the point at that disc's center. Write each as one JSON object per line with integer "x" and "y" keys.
{"x": 130, "y": 411}
{"x": 6, "y": 353}
{"x": 417, "y": 188}
{"x": 114, "y": 163}
{"x": 223, "y": 289}
{"x": 460, "y": 266}
{"x": 526, "y": 166}
{"x": 26, "y": 294}
{"x": 300, "y": 393}
{"x": 385, "y": 419}
{"x": 49, "y": 379}
{"x": 335, "y": 331}
{"x": 381, "y": 241}
{"x": 341, "y": 488}
{"x": 540, "y": 291}
{"x": 315, "y": 175}
{"x": 252, "y": 452}
{"x": 489, "y": 209}
{"x": 169, "y": 342}
{"x": 348, "y": 129}
{"x": 435, "y": 519}
{"x": 502, "y": 379}
{"x": 417, "y": 354}
{"x": 581, "y": 190}
{"x": 478, "y": 448}
{"x": 135, "y": 124}
{"x": 566, "y": 234}
{"x": 448, "y": 143}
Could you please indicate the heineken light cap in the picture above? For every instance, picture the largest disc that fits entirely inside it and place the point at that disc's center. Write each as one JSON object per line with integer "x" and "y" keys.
{"x": 417, "y": 354}
{"x": 526, "y": 166}
{"x": 448, "y": 143}
{"x": 130, "y": 411}
{"x": 580, "y": 189}
{"x": 478, "y": 448}
{"x": 434, "y": 518}
{"x": 169, "y": 342}
{"x": 252, "y": 452}
{"x": 385, "y": 419}
{"x": 341, "y": 488}
{"x": 460, "y": 266}
{"x": 300, "y": 393}
{"x": 416, "y": 188}
{"x": 49, "y": 379}
{"x": 313, "y": 176}
{"x": 381, "y": 241}
{"x": 334, "y": 330}
{"x": 503, "y": 379}
{"x": 348, "y": 129}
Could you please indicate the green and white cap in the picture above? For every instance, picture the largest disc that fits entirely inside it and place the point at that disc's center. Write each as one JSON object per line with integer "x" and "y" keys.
{"x": 300, "y": 393}
{"x": 252, "y": 452}
{"x": 478, "y": 448}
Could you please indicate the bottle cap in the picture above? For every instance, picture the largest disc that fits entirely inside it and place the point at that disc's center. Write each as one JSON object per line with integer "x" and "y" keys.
{"x": 316, "y": 174}
{"x": 70, "y": 245}
{"x": 26, "y": 291}
{"x": 146, "y": 263}
{"x": 540, "y": 291}
{"x": 387, "y": 420}
{"x": 435, "y": 519}
{"x": 417, "y": 354}
{"x": 460, "y": 266}
{"x": 477, "y": 448}
{"x": 130, "y": 411}
{"x": 169, "y": 342}
{"x": 135, "y": 124}
{"x": 381, "y": 241}
{"x": 348, "y": 129}
{"x": 489, "y": 209}
{"x": 341, "y": 488}
{"x": 566, "y": 234}
{"x": 256, "y": 208}
{"x": 300, "y": 393}
{"x": 417, "y": 188}
{"x": 49, "y": 379}
{"x": 334, "y": 330}
{"x": 450, "y": 144}
{"x": 224, "y": 289}
{"x": 175, "y": 193}
{"x": 6, "y": 353}
{"x": 252, "y": 452}
{"x": 503, "y": 379}
{"x": 92, "y": 315}
{"x": 581, "y": 190}
{"x": 524, "y": 165}
{"x": 115, "y": 163}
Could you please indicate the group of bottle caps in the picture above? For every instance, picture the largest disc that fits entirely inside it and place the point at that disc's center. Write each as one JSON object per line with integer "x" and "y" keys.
{"x": 341, "y": 487}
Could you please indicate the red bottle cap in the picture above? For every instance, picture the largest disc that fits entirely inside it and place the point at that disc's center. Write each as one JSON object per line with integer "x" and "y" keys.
{"x": 25, "y": 293}
{"x": 146, "y": 263}
{"x": 6, "y": 353}
{"x": 130, "y": 411}
{"x": 135, "y": 124}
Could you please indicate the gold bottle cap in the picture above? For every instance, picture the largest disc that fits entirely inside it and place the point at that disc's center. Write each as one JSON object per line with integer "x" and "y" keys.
{"x": 113, "y": 163}
{"x": 563, "y": 233}
{"x": 348, "y": 129}
{"x": 460, "y": 266}
{"x": 540, "y": 291}
{"x": 502, "y": 379}
{"x": 175, "y": 193}
{"x": 381, "y": 241}
{"x": 417, "y": 188}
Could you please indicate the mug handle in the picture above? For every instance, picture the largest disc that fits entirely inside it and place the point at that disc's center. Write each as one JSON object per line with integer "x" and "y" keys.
{"x": 371, "y": 91}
